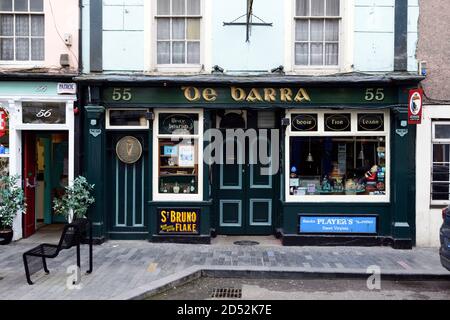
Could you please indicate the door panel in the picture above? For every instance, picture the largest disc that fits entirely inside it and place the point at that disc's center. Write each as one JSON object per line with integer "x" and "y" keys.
{"x": 128, "y": 190}
{"x": 29, "y": 183}
{"x": 244, "y": 196}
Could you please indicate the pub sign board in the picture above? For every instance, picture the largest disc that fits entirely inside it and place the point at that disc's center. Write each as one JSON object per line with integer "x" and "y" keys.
{"x": 338, "y": 122}
{"x": 415, "y": 106}
{"x": 337, "y": 224}
{"x": 186, "y": 123}
{"x": 304, "y": 122}
{"x": 371, "y": 122}
{"x": 179, "y": 221}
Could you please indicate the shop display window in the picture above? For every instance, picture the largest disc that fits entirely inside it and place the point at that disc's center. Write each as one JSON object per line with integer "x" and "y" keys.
{"x": 127, "y": 119}
{"x": 177, "y": 146}
{"x": 338, "y": 156}
{"x": 337, "y": 166}
{"x": 4, "y": 143}
{"x": 440, "y": 169}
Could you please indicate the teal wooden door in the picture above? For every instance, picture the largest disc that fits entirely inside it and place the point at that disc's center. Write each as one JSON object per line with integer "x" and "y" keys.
{"x": 244, "y": 197}
{"x": 127, "y": 192}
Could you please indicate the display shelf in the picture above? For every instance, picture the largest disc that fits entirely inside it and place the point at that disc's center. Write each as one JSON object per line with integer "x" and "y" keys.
{"x": 4, "y": 155}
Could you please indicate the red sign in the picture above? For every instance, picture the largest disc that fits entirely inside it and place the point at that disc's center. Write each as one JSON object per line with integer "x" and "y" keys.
{"x": 3, "y": 122}
{"x": 415, "y": 106}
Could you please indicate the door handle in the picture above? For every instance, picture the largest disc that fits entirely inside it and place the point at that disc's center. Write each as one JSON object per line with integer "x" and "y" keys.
{"x": 28, "y": 184}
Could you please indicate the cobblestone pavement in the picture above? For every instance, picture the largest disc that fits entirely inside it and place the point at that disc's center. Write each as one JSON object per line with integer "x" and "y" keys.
{"x": 121, "y": 266}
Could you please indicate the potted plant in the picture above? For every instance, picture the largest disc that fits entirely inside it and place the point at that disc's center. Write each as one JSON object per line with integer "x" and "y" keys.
{"x": 11, "y": 203}
{"x": 75, "y": 202}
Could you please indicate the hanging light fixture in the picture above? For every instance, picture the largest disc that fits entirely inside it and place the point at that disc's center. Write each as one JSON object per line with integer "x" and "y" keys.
{"x": 361, "y": 153}
{"x": 310, "y": 157}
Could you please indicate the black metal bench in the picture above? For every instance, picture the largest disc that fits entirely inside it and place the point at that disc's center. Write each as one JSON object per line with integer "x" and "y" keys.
{"x": 73, "y": 235}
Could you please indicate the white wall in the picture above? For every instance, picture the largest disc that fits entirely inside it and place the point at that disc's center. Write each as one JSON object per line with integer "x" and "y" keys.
{"x": 428, "y": 220}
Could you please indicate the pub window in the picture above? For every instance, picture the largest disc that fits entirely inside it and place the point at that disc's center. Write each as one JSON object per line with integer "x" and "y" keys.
{"x": 338, "y": 157}
{"x": 22, "y": 30}
{"x": 178, "y": 32}
{"x": 317, "y": 32}
{"x": 127, "y": 119}
{"x": 4, "y": 142}
{"x": 440, "y": 169}
{"x": 178, "y": 150}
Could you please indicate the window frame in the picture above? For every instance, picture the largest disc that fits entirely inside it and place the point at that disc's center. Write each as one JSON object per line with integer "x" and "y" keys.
{"x": 181, "y": 197}
{"x": 352, "y": 133}
{"x": 7, "y": 156}
{"x": 437, "y": 141}
{"x": 178, "y": 67}
{"x": 108, "y": 125}
{"x": 29, "y": 14}
{"x": 345, "y": 47}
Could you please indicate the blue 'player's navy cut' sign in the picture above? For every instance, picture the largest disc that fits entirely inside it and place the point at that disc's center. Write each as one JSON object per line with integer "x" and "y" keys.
{"x": 337, "y": 224}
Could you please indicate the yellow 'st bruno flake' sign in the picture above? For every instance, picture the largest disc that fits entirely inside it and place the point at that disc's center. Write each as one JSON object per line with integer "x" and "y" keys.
{"x": 178, "y": 221}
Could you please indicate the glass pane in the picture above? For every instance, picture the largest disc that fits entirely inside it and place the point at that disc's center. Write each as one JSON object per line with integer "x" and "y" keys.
{"x": 5, "y": 5}
{"x": 22, "y": 49}
{"x": 193, "y": 52}
{"x": 317, "y": 30}
{"x": 37, "y": 49}
{"x": 163, "y": 26}
{"x": 55, "y": 112}
{"x": 163, "y": 54}
{"x": 22, "y": 25}
{"x": 442, "y": 131}
{"x": 316, "y": 54}
{"x": 441, "y": 153}
{"x": 6, "y": 49}
{"x": 331, "y": 54}
{"x": 178, "y": 166}
{"x": 178, "y": 29}
{"x": 20, "y": 5}
{"x": 301, "y": 30}
{"x": 193, "y": 29}
{"x": 178, "y": 7}
{"x": 333, "y": 7}
{"x": 317, "y": 8}
{"x": 331, "y": 30}
{"x": 163, "y": 7}
{"x": 37, "y": 25}
{"x": 302, "y": 8}
{"x": 441, "y": 173}
{"x": 4, "y": 166}
{"x": 7, "y": 25}
{"x": 301, "y": 54}
{"x": 337, "y": 166}
{"x": 128, "y": 118}
{"x": 193, "y": 7}
{"x": 178, "y": 52}
{"x": 36, "y": 5}
{"x": 178, "y": 123}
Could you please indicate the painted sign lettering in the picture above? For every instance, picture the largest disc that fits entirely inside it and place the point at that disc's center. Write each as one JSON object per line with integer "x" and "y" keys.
{"x": 337, "y": 122}
{"x": 178, "y": 221}
{"x": 304, "y": 122}
{"x": 170, "y": 123}
{"x": 338, "y": 224}
{"x": 371, "y": 122}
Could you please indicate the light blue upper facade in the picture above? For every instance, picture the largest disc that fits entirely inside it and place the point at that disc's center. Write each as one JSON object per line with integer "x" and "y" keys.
{"x": 367, "y": 36}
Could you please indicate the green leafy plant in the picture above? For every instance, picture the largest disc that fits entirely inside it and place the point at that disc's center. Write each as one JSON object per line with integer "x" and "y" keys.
{"x": 76, "y": 199}
{"x": 11, "y": 200}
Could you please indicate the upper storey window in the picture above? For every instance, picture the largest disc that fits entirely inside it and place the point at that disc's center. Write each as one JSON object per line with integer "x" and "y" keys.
{"x": 22, "y": 30}
{"x": 178, "y": 32}
{"x": 317, "y": 29}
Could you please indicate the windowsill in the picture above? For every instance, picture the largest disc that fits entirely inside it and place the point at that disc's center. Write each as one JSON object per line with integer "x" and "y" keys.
{"x": 314, "y": 71}
{"x": 21, "y": 64}
{"x": 337, "y": 199}
{"x": 164, "y": 69}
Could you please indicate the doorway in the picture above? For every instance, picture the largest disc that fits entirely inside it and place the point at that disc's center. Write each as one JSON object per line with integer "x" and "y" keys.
{"x": 245, "y": 198}
{"x": 45, "y": 176}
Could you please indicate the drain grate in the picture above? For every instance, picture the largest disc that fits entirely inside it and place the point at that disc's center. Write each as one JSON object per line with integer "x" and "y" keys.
{"x": 230, "y": 293}
{"x": 246, "y": 243}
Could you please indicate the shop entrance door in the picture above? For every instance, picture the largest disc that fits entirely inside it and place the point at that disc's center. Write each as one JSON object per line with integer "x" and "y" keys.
{"x": 245, "y": 197}
{"x": 45, "y": 177}
{"x": 127, "y": 185}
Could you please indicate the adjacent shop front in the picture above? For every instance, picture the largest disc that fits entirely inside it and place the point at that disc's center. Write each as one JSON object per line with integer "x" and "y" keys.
{"x": 37, "y": 144}
{"x": 326, "y": 160}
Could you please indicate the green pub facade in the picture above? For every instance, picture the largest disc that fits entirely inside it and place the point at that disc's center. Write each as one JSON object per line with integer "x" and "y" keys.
{"x": 340, "y": 171}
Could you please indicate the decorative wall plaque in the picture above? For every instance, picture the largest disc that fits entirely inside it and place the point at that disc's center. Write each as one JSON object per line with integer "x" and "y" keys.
{"x": 129, "y": 150}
